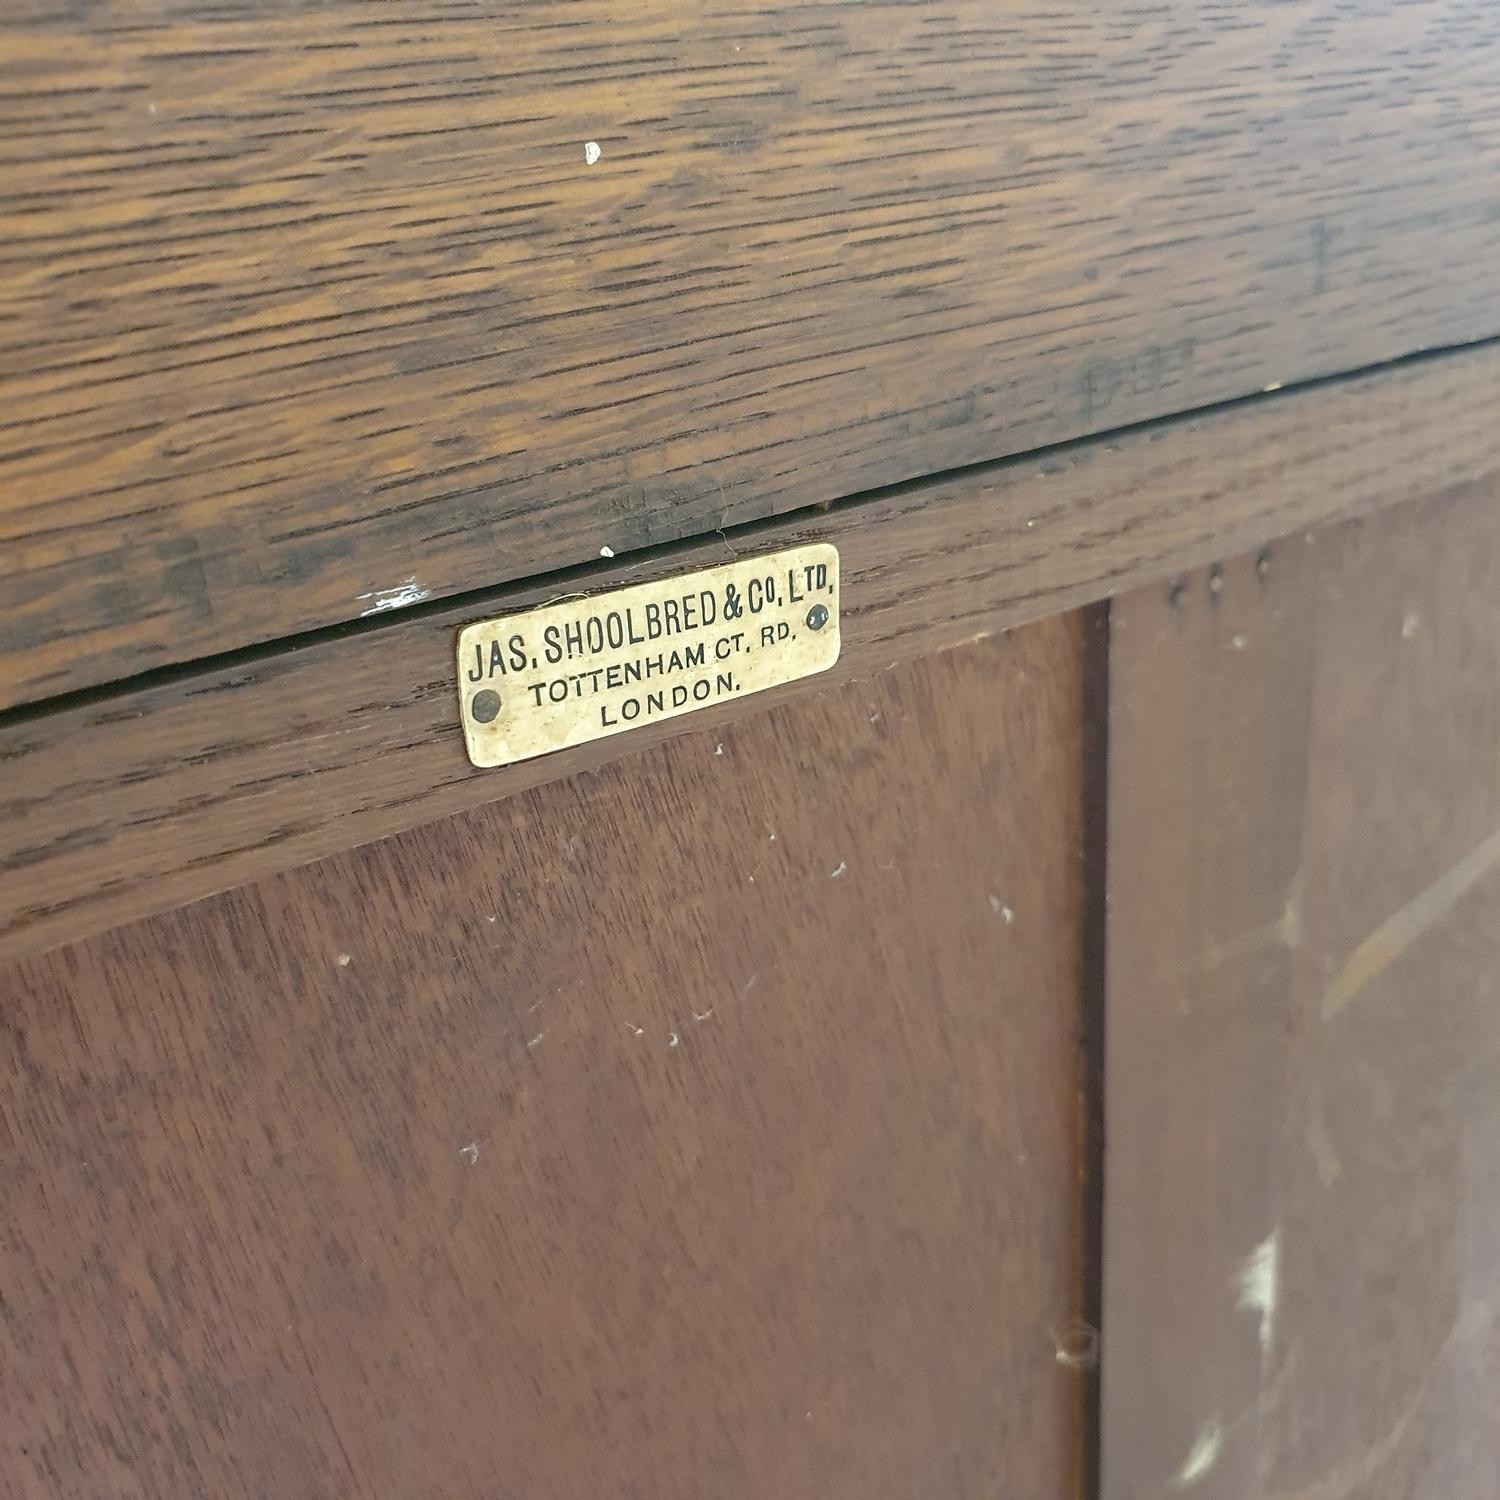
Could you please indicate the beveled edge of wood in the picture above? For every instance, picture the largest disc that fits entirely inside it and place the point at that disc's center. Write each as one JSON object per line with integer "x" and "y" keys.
{"x": 131, "y": 802}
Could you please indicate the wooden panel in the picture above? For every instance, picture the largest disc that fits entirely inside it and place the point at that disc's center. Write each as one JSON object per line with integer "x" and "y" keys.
{"x": 1302, "y": 1222}
{"x": 1207, "y": 763}
{"x": 704, "y": 1127}
{"x": 313, "y": 310}
{"x": 131, "y": 804}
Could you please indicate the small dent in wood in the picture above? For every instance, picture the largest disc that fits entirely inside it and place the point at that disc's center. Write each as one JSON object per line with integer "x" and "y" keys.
{"x": 1077, "y": 1345}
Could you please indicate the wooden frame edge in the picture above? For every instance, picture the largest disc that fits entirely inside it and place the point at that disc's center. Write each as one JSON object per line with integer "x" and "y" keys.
{"x": 164, "y": 793}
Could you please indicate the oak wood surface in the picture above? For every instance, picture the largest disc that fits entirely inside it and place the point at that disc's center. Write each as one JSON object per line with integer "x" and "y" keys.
{"x": 310, "y": 310}
{"x": 159, "y": 795}
{"x": 1302, "y": 1202}
{"x": 706, "y": 1126}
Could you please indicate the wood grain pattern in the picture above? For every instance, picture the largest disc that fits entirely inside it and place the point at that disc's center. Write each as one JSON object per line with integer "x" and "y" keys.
{"x": 703, "y": 1127}
{"x": 1302, "y": 1224}
{"x": 313, "y": 309}
{"x": 113, "y": 809}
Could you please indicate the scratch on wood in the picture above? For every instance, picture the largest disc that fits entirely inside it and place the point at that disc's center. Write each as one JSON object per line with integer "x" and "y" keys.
{"x": 1202, "y": 1456}
{"x": 1402, "y": 928}
{"x": 1256, "y": 1281}
{"x": 1352, "y": 1479}
{"x": 405, "y": 593}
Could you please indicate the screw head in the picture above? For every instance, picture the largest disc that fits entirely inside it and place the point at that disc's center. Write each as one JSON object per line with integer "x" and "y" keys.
{"x": 485, "y": 705}
{"x": 817, "y": 617}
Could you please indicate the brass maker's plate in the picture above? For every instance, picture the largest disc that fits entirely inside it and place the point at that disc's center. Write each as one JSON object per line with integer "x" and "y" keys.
{"x": 586, "y": 667}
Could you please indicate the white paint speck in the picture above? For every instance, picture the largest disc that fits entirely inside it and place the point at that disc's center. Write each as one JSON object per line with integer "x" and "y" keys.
{"x": 405, "y": 593}
{"x": 719, "y": 749}
{"x": 1256, "y": 1284}
{"x": 1238, "y": 642}
{"x": 1001, "y": 910}
{"x": 591, "y": 152}
{"x": 345, "y": 960}
{"x": 673, "y": 1039}
{"x": 706, "y": 1014}
{"x": 835, "y": 874}
{"x": 1202, "y": 1456}
{"x": 606, "y": 552}
{"x": 470, "y": 1153}
{"x": 1275, "y": 385}
{"x": 1410, "y": 626}
{"x": 634, "y": 1030}
{"x": 536, "y": 1039}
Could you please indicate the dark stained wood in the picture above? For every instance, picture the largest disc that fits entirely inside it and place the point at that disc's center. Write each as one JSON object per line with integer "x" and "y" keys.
{"x": 312, "y": 309}
{"x": 135, "y": 803}
{"x": 1207, "y": 760}
{"x": 707, "y": 1126}
{"x": 1302, "y": 1223}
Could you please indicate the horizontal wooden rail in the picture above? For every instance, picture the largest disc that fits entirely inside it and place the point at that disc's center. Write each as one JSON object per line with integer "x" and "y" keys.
{"x": 129, "y": 802}
{"x": 308, "y": 311}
